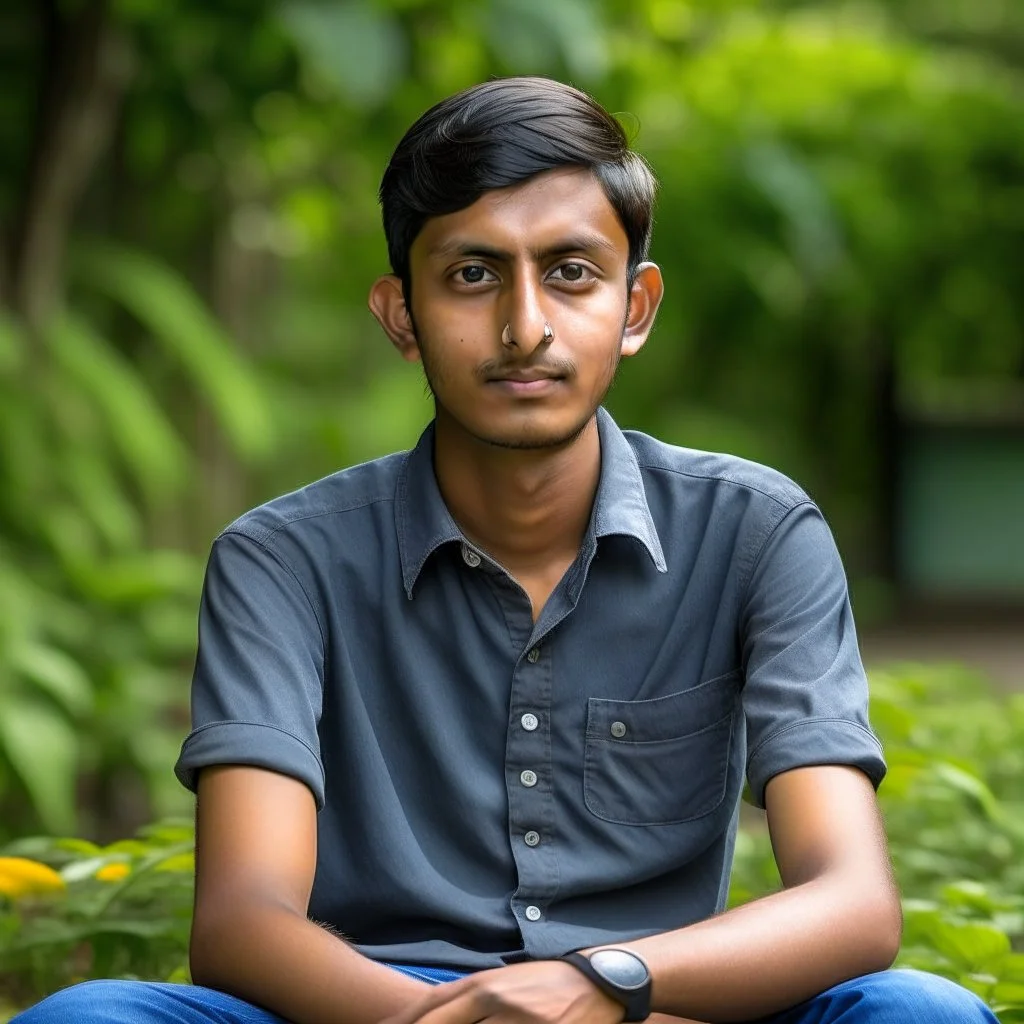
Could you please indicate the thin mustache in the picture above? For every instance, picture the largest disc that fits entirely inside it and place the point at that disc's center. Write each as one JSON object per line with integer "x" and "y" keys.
{"x": 501, "y": 367}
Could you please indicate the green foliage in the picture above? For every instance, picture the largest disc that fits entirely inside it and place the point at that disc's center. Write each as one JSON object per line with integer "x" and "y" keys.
{"x": 97, "y": 614}
{"x": 123, "y": 910}
{"x": 954, "y": 810}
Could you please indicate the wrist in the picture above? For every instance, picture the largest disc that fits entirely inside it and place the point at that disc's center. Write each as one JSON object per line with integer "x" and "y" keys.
{"x": 619, "y": 973}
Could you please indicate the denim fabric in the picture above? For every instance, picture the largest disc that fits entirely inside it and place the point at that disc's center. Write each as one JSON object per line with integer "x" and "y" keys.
{"x": 526, "y": 788}
{"x": 892, "y": 997}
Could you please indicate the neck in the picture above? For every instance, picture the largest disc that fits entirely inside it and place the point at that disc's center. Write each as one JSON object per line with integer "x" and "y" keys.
{"x": 525, "y": 508}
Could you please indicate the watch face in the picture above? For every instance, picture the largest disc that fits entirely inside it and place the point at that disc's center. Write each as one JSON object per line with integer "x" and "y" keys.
{"x": 620, "y": 968}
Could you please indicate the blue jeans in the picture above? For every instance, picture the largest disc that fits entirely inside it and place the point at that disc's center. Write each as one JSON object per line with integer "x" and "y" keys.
{"x": 890, "y": 997}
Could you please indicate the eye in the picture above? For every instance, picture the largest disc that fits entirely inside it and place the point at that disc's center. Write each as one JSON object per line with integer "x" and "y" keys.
{"x": 473, "y": 274}
{"x": 572, "y": 273}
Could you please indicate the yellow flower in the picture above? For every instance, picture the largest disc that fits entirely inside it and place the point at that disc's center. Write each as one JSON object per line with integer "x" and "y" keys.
{"x": 113, "y": 872}
{"x": 22, "y": 877}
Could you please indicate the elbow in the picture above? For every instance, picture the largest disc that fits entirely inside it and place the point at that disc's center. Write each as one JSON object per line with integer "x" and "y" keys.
{"x": 882, "y": 932}
{"x": 202, "y": 955}
{"x": 216, "y": 948}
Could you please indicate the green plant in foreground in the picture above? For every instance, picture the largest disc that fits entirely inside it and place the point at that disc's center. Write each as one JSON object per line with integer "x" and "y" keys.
{"x": 951, "y": 801}
{"x": 121, "y": 910}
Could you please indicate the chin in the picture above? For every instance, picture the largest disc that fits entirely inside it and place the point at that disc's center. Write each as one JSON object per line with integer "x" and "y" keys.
{"x": 533, "y": 437}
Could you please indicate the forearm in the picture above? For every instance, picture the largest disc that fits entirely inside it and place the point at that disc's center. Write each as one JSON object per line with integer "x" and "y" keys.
{"x": 270, "y": 956}
{"x": 774, "y": 952}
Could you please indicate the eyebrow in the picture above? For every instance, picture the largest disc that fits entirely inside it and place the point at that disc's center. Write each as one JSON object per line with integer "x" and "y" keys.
{"x": 561, "y": 247}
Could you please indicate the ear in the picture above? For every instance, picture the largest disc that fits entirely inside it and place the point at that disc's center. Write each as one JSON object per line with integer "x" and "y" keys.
{"x": 387, "y": 304}
{"x": 644, "y": 299}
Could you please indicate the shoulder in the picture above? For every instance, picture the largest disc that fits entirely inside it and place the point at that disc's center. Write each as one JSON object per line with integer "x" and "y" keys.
{"x": 729, "y": 477}
{"x": 315, "y": 509}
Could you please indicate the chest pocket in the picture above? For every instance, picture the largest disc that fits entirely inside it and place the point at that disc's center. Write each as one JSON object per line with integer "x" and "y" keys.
{"x": 663, "y": 761}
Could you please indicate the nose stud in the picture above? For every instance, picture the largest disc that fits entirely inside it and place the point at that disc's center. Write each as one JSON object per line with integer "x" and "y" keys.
{"x": 508, "y": 341}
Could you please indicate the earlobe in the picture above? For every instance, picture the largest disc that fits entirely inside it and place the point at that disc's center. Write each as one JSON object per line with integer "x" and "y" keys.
{"x": 387, "y": 304}
{"x": 644, "y": 299}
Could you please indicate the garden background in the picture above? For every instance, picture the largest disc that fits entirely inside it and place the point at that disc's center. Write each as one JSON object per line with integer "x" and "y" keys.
{"x": 188, "y": 228}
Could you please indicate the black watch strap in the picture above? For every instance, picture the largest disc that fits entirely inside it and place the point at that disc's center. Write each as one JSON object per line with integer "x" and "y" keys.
{"x": 635, "y": 999}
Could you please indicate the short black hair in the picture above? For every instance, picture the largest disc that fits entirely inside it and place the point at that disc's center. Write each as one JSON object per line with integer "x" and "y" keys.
{"x": 500, "y": 133}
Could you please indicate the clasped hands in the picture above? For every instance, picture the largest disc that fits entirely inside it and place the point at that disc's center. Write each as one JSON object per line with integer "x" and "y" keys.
{"x": 540, "y": 992}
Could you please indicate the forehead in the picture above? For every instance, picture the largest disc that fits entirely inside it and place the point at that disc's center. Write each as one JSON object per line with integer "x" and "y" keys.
{"x": 529, "y": 217}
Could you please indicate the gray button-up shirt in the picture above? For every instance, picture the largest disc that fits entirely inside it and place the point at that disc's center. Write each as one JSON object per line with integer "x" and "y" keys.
{"x": 491, "y": 789}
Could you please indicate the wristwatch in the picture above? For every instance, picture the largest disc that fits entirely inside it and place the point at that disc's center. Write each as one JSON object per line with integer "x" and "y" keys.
{"x": 619, "y": 973}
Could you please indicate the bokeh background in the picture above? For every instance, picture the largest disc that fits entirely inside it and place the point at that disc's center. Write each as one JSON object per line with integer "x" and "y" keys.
{"x": 189, "y": 226}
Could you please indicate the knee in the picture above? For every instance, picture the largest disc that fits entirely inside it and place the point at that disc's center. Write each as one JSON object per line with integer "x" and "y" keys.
{"x": 91, "y": 1002}
{"x": 912, "y": 996}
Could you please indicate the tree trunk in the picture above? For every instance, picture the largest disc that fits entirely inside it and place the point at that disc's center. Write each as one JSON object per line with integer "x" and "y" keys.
{"x": 84, "y": 71}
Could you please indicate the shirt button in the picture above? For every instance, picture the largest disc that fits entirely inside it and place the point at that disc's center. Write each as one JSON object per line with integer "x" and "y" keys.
{"x": 533, "y": 913}
{"x": 618, "y": 729}
{"x": 531, "y": 838}
{"x": 533, "y": 656}
{"x": 528, "y": 778}
{"x": 529, "y": 721}
{"x": 470, "y": 557}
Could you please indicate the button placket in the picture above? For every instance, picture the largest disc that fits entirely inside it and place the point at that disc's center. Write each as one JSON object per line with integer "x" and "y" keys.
{"x": 531, "y": 788}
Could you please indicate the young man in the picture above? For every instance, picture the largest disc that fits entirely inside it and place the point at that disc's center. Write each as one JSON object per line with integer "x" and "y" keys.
{"x": 467, "y": 710}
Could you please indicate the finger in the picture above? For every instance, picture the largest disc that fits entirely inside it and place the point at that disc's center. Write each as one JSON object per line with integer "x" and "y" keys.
{"x": 437, "y": 996}
{"x": 464, "y": 1007}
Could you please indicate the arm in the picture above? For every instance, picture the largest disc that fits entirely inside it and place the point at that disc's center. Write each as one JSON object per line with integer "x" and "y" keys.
{"x": 255, "y": 860}
{"x": 837, "y": 917}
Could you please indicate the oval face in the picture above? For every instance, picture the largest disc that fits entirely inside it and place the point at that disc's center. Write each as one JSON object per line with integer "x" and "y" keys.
{"x": 620, "y": 967}
{"x": 520, "y": 302}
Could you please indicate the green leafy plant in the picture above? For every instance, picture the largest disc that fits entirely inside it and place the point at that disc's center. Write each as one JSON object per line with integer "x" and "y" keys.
{"x": 71, "y": 910}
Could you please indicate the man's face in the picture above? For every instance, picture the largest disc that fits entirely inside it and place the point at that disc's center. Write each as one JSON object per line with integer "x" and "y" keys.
{"x": 550, "y": 251}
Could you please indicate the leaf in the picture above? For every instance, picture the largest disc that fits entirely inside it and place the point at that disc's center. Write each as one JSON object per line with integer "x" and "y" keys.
{"x": 96, "y": 490}
{"x": 357, "y": 48}
{"x": 139, "y": 430}
{"x": 55, "y": 673}
{"x": 972, "y": 946}
{"x": 171, "y": 310}
{"x": 522, "y": 31}
{"x": 147, "y": 576}
{"x": 43, "y": 749}
{"x": 970, "y": 785}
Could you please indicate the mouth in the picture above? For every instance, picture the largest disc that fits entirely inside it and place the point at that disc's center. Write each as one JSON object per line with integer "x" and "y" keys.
{"x": 525, "y": 377}
{"x": 526, "y": 382}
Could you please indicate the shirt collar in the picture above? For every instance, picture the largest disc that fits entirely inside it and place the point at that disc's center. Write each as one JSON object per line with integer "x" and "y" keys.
{"x": 424, "y": 523}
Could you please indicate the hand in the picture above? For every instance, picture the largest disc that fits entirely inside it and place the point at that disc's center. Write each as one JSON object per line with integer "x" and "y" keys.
{"x": 543, "y": 992}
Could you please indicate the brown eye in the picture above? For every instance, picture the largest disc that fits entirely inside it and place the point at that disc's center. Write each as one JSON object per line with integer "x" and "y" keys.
{"x": 572, "y": 273}
{"x": 472, "y": 275}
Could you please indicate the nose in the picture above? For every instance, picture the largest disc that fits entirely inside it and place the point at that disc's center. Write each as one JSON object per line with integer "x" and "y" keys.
{"x": 525, "y": 327}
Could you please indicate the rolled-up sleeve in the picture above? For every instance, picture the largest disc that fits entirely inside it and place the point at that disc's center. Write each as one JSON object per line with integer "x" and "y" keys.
{"x": 257, "y": 689}
{"x": 805, "y": 695}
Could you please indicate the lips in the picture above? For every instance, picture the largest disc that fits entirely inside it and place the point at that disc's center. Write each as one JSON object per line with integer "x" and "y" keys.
{"x": 526, "y": 376}
{"x": 524, "y": 380}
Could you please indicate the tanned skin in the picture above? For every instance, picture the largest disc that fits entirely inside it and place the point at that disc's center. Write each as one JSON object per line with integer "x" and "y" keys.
{"x": 517, "y": 459}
